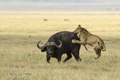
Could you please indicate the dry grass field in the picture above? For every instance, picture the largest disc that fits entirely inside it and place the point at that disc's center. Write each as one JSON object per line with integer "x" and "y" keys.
{"x": 20, "y": 59}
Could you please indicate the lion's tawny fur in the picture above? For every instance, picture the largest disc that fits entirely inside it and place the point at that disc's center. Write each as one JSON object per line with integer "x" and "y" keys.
{"x": 86, "y": 38}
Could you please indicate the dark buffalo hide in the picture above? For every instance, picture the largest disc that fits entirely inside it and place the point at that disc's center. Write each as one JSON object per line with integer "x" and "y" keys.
{"x": 59, "y": 44}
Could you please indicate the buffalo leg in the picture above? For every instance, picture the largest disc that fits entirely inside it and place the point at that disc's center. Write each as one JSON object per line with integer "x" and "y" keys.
{"x": 59, "y": 58}
{"x": 75, "y": 51}
{"x": 76, "y": 55}
{"x": 68, "y": 57}
{"x": 48, "y": 58}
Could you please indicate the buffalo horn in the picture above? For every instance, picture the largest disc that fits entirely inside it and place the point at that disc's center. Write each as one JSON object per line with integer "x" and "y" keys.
{"x": 58, "y": 46}
{"x": 41, "y": 47}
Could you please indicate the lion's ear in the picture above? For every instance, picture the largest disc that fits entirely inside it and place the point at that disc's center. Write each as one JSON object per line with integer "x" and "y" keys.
{"x": 79, "y": 26}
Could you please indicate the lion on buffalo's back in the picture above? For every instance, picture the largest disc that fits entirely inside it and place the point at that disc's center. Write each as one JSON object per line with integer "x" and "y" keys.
{"x": 87, "y": 38}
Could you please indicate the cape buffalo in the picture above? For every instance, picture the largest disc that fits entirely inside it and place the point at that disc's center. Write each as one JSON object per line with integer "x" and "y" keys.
{"x": 61, "y": 43}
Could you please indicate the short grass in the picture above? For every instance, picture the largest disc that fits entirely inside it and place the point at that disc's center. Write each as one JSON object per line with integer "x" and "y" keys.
{"x": 20, "y": 59}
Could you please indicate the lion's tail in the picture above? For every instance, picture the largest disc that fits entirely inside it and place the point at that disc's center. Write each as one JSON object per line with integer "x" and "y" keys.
{"x": 102, "y": 46}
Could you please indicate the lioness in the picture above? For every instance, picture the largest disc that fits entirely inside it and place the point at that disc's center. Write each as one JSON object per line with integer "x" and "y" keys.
{"x": 90, "y": 39}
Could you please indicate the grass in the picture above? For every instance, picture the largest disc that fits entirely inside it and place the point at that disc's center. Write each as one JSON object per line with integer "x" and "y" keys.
{"x": 21, "y": 60}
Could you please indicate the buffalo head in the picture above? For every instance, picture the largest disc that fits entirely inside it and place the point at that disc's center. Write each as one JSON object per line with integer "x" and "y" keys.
{"x": 49, "y": 47}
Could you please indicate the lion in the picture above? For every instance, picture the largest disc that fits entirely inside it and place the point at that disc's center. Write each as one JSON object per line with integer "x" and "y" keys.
{"x": 86, "y": 38}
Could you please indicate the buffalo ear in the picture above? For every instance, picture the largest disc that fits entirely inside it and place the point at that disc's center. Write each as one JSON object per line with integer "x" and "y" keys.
{"x": 56, "y": 48}
{"x": 43, "y": 49}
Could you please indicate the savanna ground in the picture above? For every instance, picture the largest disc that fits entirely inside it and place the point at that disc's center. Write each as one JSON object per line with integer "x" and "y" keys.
{"x": 20, "y": 59}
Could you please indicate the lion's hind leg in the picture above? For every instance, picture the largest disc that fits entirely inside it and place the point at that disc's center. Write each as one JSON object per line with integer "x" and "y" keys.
{"x": 98, "y": 52}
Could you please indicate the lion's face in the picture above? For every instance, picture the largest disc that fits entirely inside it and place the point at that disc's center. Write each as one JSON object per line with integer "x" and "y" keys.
{"x": 77, "y": 30}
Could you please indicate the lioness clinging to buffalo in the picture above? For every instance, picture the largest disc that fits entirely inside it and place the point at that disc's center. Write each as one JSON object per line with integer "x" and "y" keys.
{"x": 90, "y": 39}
